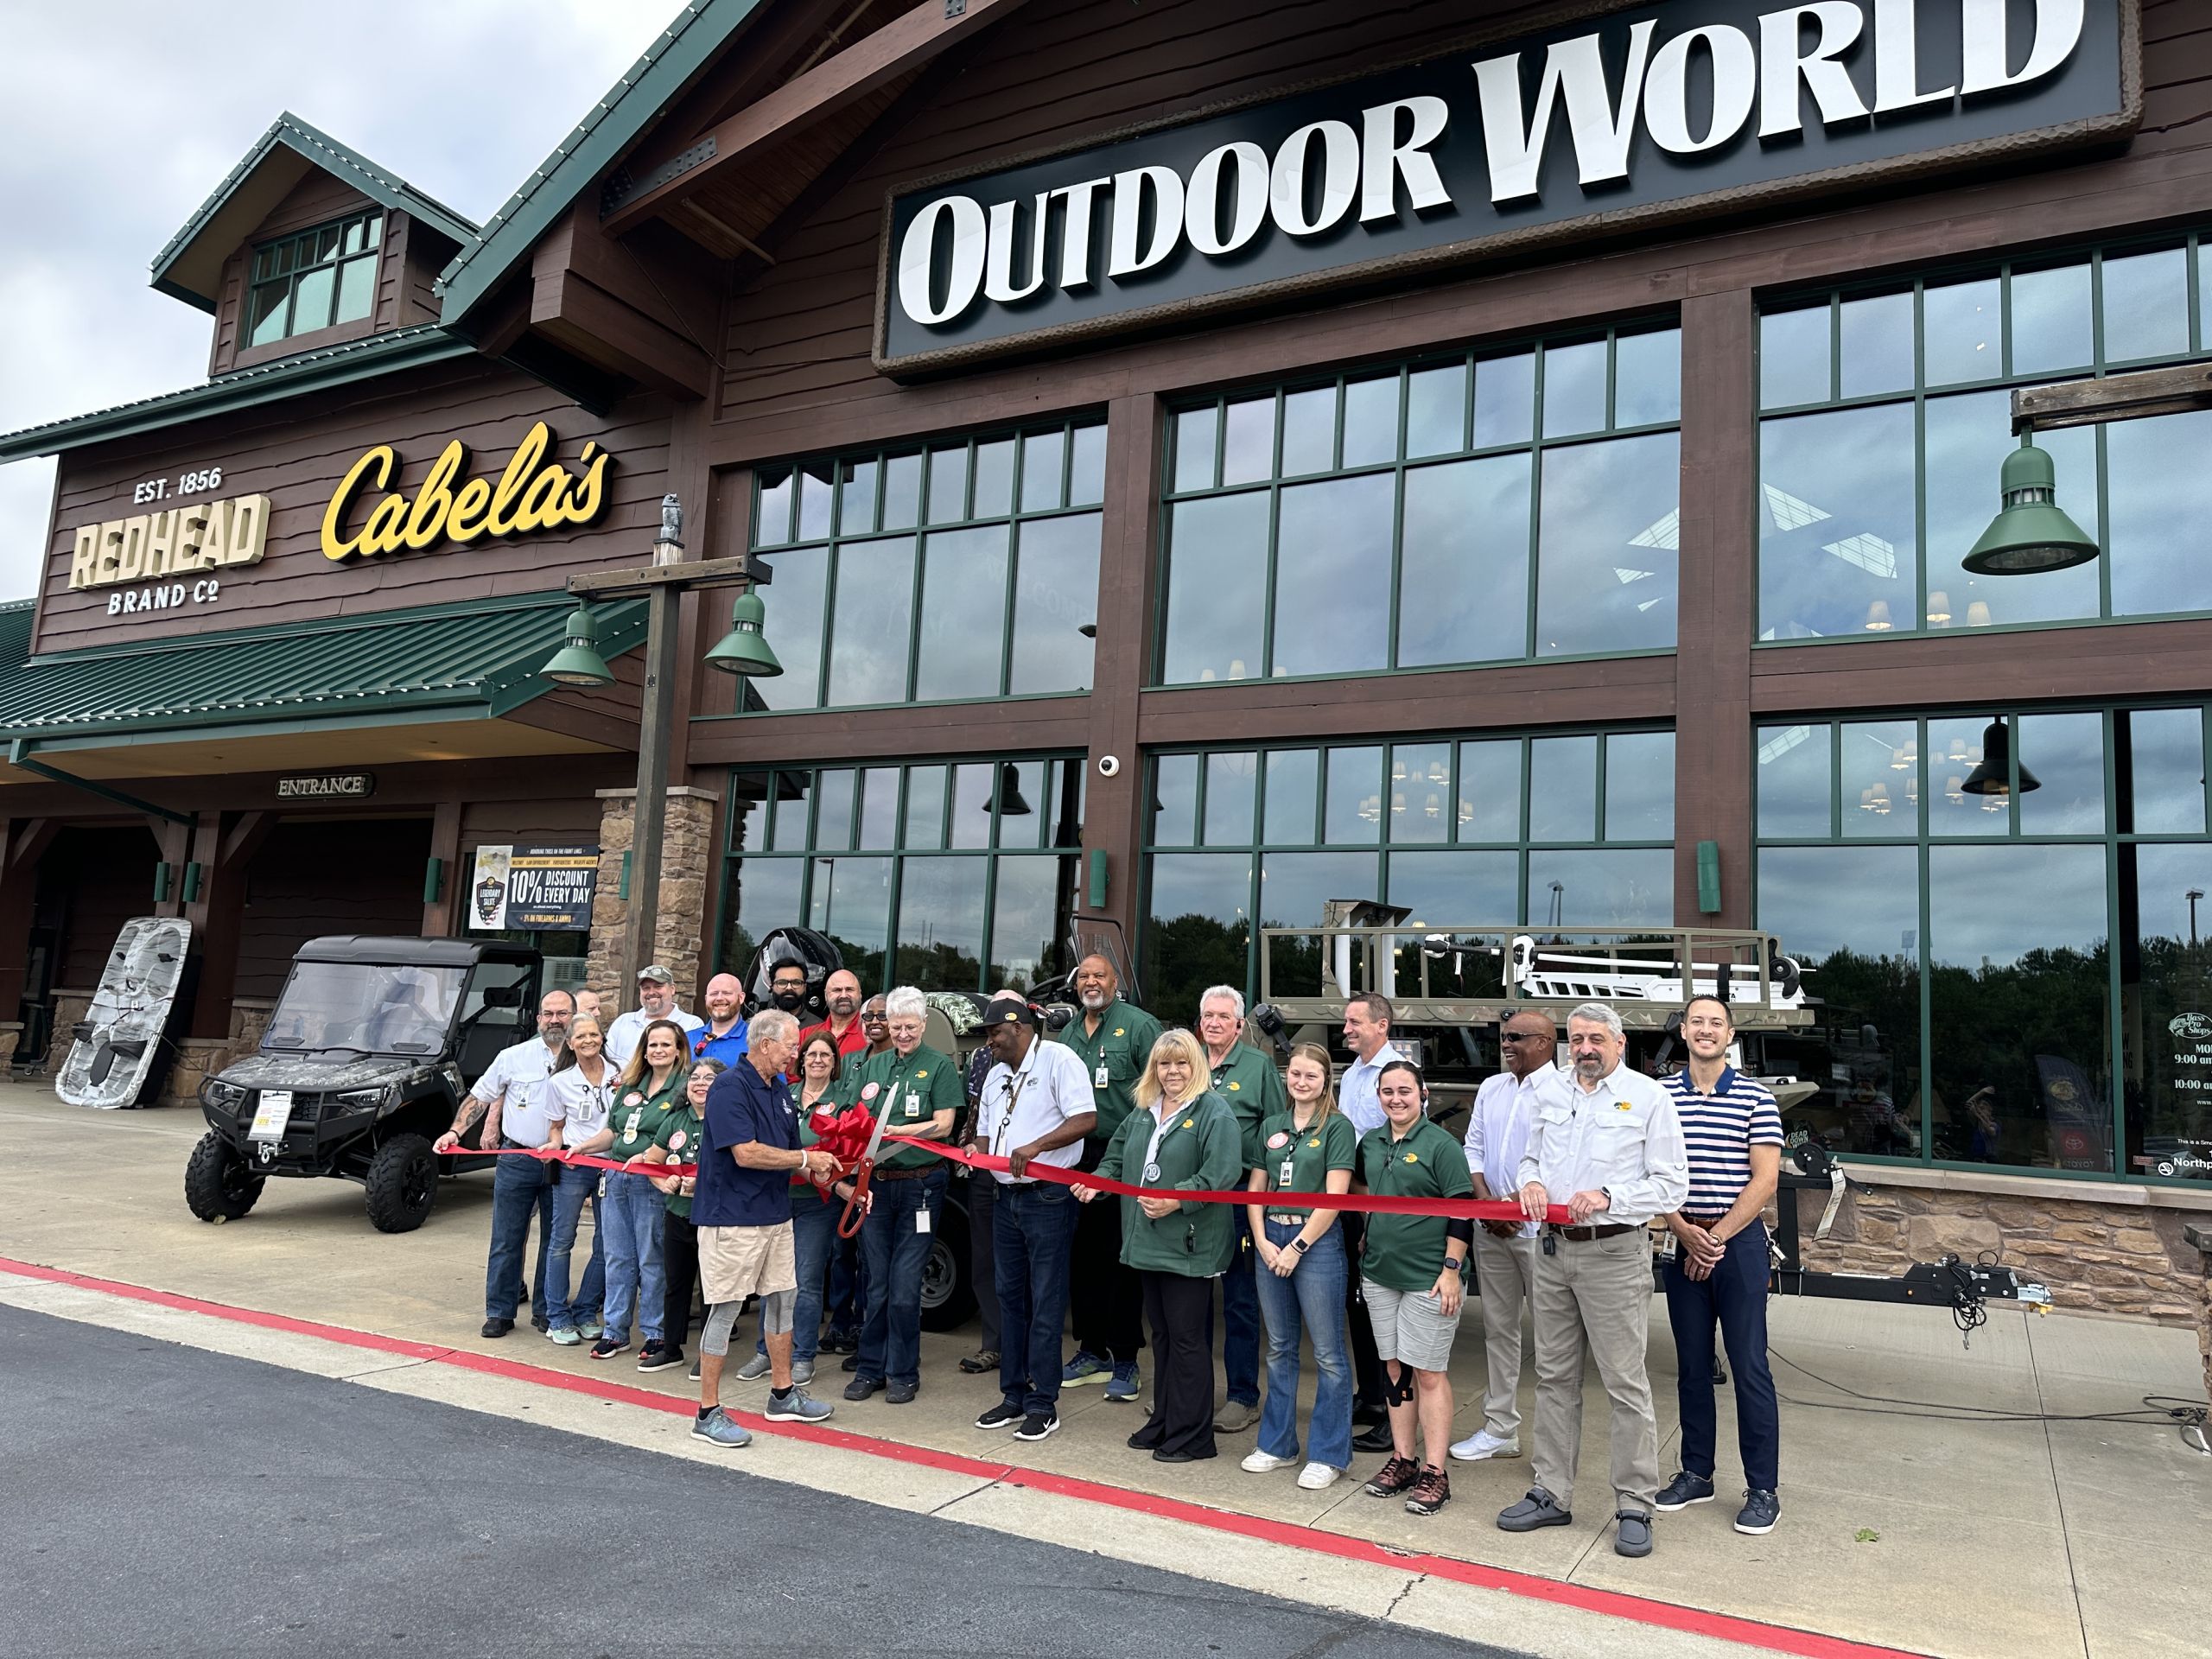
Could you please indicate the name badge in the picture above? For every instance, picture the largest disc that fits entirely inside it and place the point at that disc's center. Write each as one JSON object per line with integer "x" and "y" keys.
{"x": 1152, "y": 1172}
{"x": 1099, "y": 1078}
{"x": 1283, "y": 1179}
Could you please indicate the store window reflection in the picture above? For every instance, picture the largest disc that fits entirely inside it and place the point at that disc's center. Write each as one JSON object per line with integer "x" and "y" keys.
{"x": 2165, "y": 1007}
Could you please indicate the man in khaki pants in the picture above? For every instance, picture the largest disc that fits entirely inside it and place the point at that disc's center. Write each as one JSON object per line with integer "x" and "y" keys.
{"x": 1613, "y": 1152}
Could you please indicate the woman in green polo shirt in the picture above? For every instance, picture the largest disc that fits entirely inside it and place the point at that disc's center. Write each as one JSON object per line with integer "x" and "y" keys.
{"x": 1181, "y": 1135}
{"x": 1310, "y": 1148}
{"x": 679, "y": 1141}
{"x": 630, "y": 1210}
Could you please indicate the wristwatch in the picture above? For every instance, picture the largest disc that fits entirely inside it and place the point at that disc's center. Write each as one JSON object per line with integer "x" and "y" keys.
{"x": 1299, "y": 1244}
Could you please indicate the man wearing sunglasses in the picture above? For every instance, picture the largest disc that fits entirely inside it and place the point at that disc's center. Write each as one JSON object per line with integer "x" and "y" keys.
{"x": 1505, "y": 1251}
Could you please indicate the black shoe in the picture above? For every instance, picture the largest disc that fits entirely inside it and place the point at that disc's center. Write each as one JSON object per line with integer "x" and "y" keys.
{"x": 496, "y": 1328}
{"x": 852, "y": 1360}
{"x": 1173, "y": 1457}
{"x": 900, "y": 1393}
{"x": 659, "y": 1357}
{"x": 861, "y": 1387}
{"x": 1002, "y": 1415}
{"x": 1037, "y": 1425}
{"x": 540, "y": 1323}
{"x": 1760, "y": 1511}
{"x": 1368, "y": 1416}
{"x": 840, "y": 1342}
{"x": 1140, "y": 1442}
{"x": 1376, "y": 1438}
{"x": 1683, "y": 1490}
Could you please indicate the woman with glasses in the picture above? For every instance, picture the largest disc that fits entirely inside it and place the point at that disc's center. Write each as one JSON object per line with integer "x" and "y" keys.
{"x": 1309, "y": 1148}
{"x": 1181, "y": 1136}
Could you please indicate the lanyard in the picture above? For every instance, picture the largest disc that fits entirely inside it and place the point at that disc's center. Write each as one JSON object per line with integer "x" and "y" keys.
{"x": 1015, "y": 1086}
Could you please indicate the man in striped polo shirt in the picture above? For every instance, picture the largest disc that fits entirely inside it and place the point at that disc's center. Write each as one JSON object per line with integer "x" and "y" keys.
{"x": 1719, "y": 1275}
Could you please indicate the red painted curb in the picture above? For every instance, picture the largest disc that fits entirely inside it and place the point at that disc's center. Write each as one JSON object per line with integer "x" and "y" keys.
{"x": 1774, "y": 1638}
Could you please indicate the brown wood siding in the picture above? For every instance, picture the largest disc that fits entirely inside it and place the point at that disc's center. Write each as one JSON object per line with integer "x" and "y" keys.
{"x": 296, "y": 453}
{"x": 574, "y": 818}
{"x": 91, "y": 882}
{"x": 322, "y": 876}
{"x": 392, "y": 273}
{"x": 317, "y": 197}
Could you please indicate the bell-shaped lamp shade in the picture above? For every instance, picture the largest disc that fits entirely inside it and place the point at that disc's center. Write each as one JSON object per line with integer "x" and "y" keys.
{"x": 743, "y": 650}
{"x": 578, "y": 661}
{"x": 1994, "y": 775}
{"x": 2029, "y": 533}
{"x": 1010, "y": 803}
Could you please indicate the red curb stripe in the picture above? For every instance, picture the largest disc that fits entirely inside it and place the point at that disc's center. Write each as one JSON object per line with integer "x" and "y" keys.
{"x": 1728, "y": 1627}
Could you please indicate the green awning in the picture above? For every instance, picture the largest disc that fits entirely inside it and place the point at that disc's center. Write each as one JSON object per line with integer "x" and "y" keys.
{"x": 475, "y": 659}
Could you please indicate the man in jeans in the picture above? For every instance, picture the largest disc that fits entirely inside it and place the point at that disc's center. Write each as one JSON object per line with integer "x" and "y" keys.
{"x": 507, "y": 1098}
{"x": 914, "y": 1089}
{"x": 1719, "y": 1274}
{"x": 1505, "y": 1251}
{"x": 1036, "y": 1107}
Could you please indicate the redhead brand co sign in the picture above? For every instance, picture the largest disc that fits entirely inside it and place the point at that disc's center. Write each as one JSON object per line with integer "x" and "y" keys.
{"x": 532, "y": 493}
{"x": 1648, "y": 114}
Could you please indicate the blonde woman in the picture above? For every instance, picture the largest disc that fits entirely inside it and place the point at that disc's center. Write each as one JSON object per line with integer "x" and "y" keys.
{"x": 1181, "y": 1135}
{"x": 1309, "y": 1148}
{"x": 579, "y": 1097}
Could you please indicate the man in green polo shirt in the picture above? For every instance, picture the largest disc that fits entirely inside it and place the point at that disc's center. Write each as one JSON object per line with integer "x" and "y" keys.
{"x": 1248, "y": 1084}
{"x": 1410, "y": 1276}
{"x": 914, "y": 1089}
{"x": 1105, "y": 1300}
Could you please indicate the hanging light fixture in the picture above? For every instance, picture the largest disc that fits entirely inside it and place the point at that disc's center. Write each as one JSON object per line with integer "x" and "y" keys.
{"x": 1878, "y": 617}
{"x": 2030, "y": 533}
{"x": 1878, "y": 799}
{"x": 743, "y": 650}
{"x": 1977, "y": 613}
{"x": 1009, "y": 803}
{"x": 1939, "y": 609}
{"x": 1955, "y": 789}
{"x": 578, "y": 661}
{"x": 1993, "y": 778}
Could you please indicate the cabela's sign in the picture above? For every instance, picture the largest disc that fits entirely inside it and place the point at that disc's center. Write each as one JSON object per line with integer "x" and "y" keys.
{"x": 533, "y": 493}
{"x": 1654, "y": 113}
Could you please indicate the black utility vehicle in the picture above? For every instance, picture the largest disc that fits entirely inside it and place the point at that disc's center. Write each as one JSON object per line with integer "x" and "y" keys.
{"x": 365, "y": 1058}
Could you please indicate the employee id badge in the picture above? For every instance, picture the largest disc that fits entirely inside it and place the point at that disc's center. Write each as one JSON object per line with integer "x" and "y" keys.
{"x": 921, "y": 1221}
{"x": 1099, "y": 1080}
{"x": 1282, "y": 1181}
{"x": 1667, "y": 1245}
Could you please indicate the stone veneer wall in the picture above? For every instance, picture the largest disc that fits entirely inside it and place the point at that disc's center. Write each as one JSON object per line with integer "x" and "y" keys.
{"x": 199, "y": 1058}
{"x": 686, "y": 854}
{"x": 69, "y": 1007}
{"x": 2126, "y": 1258}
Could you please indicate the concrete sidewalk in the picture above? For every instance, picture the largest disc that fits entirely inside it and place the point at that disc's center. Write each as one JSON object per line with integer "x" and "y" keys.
{"x": 2014, "y": 1540}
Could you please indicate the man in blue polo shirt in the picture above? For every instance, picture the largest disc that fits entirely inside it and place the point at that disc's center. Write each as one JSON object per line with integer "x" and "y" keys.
{"x": 1719, "y": 1275}
{"x": 742, "y": 1208}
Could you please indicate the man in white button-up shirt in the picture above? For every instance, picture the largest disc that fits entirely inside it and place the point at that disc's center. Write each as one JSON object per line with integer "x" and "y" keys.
{"x": 1505, "y": 1251}
{"x": 1611, "y": 1151}
{"x": 1367, "y": 1033}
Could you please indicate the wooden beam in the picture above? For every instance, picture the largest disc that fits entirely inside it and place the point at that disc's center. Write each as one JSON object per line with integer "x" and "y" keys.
{"x": 692, "y": 573}
{"x": 2116, "y": 397}
{"x": 584, "y": 319}
{"x": 907, "y": 42}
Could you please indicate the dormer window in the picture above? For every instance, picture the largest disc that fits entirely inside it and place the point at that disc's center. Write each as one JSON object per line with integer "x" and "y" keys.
{"x": 314, "y": 280}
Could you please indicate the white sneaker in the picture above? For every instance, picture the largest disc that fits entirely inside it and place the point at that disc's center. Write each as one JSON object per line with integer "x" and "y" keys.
{"x": 1482, "y": 1444}
{"x": 1258, "y": 1463}
{"x": 1315, "y": 1476}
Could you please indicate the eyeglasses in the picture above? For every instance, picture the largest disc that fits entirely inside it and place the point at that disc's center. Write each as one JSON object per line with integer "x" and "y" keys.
{"x": 1519, "y": 1036}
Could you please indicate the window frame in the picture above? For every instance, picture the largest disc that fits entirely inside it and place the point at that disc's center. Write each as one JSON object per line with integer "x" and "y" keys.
{"x": 372, "y": 252}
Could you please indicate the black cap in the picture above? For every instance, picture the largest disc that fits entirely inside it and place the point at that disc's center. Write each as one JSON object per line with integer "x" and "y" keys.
{"x": 1010, "y": 1010}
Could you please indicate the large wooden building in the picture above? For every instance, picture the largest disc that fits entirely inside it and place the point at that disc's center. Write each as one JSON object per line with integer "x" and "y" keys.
{"x": 1217, "y": 457}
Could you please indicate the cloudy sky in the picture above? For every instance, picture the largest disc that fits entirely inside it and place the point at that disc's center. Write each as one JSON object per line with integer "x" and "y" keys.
{"x": 121, "y": 115}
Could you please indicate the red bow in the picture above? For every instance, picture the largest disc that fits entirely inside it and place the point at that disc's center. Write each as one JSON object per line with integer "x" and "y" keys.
{"x": 844, "y": 1135}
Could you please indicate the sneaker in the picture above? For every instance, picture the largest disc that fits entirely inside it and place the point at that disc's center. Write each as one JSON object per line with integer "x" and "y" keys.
{"x": 1085, "y": 1367}
{"x": 1259, "y": 1463}
{"x": 1482, "y": 1445}
{"x": 659, "y": 1357}
{"x": 802, "y": 1372}
{"x": 1760, "y": 1511}
{"x": 1316, "y": 1477}
{"x": 717, "y": 1428}
{"x": 564, "y": 1335}
{"x": 1125, "y": 1384}
{"x": 694, "y": 1369}
{"x": 1037, "y": 1425}
{"x": 1539, "y": 1508}
{"x": 795, "y": 1405}
{"x": 978, "y": 1365}
{"x": 1430, "y": 1493}
{"x": 753, "y": 1368}
{"x": 540, "y": 1324}
{"x": 591, "y": 1330}
{"x": 607, "y": 1347}
{"x": 1683, "y": 1490}
{"x": 1004, "y": 1414}
{"x": 861, "y": 1387}
{"x": 900, "y": 1393}
{"x": 842, "y": 1342}
{"x": 1632, "y": 1532}
{"x": 852, "y": 1360}
{"x": 1394, "y": 1478}
{"x": 1235, "y": 1417}
{"x": 496, "y": 1328}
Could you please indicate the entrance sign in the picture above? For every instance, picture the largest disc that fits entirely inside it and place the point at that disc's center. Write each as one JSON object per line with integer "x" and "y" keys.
{"x": 1654, "y": 113}
{"x": 328, "y": 786}
{"x": 533, "y": 493}
{"x": 533, "y": 887}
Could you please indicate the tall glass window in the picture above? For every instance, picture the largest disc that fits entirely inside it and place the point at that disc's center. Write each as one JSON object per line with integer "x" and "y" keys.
{"x": 1573, "y": 830}
{"x": 960, "y": 570}
{"x": 950, "y": 877}
{"x": 1886, "y": 417}
{"x": 314, "y": 280}
{"x": 1508, "y": 503}
{"x": 1956, "y": 887}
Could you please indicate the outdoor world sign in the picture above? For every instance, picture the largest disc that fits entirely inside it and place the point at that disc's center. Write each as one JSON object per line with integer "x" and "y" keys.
{"x": 532, "y": 493}
{"x": 1650, "y": 114}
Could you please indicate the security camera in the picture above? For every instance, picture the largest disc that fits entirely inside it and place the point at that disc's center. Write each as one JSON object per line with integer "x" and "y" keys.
{"x": 1108, "y": 765}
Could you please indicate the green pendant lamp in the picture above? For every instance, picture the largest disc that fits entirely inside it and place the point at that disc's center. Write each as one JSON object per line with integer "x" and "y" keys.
{"x": 578, "y": 661}
{"x": 742, "y": 650}
{"x": 2030, "y": 533}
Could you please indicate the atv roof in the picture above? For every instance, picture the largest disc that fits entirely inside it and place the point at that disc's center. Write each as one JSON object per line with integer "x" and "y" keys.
{"x": 411, "y": 952}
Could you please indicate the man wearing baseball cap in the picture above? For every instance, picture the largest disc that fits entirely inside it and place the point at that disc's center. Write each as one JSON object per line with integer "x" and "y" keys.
{"x": 1037, "y": 1106}
{"x": 656, "y": 1001}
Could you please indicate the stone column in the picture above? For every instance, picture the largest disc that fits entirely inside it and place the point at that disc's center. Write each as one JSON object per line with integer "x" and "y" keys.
{"x": 686, "y": 871}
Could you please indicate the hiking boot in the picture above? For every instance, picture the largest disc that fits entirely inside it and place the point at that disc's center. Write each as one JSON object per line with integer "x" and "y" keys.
{"x": 1430, "y": 1493}
{"x": 1393, "y": 1477}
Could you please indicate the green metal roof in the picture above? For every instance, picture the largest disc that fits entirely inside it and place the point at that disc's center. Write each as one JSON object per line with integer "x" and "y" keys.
{"x": 683, "y": 49}
{"x": 476, "y": 659}
{"x": 319, "y": 148}
{"x": 333, "y": 365}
